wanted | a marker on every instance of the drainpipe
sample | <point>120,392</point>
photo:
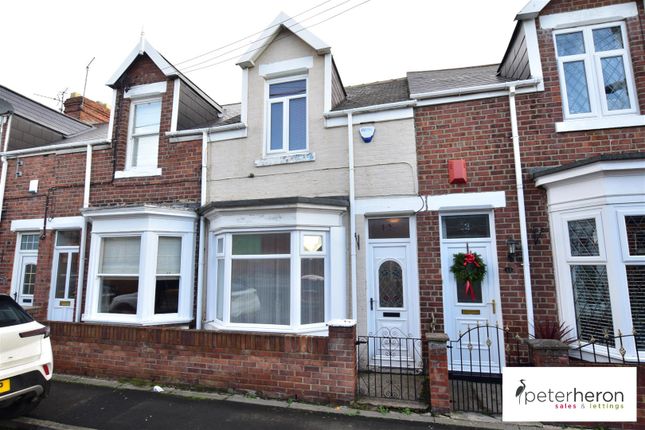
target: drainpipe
<point>352,215</point>
<point>519,183</point>
<point>3,175</point>
<point>83,244</point>
<point>202,236</point>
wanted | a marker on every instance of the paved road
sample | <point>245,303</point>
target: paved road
<point>110,408</point>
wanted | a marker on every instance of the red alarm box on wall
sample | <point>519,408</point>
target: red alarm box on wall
<point>457,171</point>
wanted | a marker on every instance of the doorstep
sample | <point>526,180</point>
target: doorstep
<point>465,420</point>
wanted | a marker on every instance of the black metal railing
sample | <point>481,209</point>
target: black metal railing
<point>608,349</point>
<point>475,362</point>
<point>391,368</point>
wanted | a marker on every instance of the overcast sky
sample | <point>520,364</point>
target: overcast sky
<point>47,44</point>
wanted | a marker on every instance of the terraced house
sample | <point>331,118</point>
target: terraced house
<point>311,240</point>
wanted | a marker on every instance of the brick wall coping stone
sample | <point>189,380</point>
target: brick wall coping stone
<point>341,323</point>
<point>547,344</point>
<point>437,337</point>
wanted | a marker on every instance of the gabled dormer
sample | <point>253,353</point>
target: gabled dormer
<point>151,98</point>
<point>289,82</point>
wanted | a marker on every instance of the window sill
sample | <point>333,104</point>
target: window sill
<point>312,330</point>
<point>274,160</point>
<point>137,173</point>
<point>600,123</point>
<point>124,320</point>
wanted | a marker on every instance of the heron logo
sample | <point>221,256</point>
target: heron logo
<point>569,394</point>
<point>520,390</point>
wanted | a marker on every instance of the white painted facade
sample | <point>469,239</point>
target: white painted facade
<point>243,167</point>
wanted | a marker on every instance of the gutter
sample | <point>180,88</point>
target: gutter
<point>3,175</point>
<point>49,148</point>
<point>196,131</point>
<point>502,86</point>
<point>374,108</point>
<point>352,214</point>
<point>199,318</point>
<point>526,264</point>
<point>83,244</point>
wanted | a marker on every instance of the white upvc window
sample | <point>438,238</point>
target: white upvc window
<point>141,268</point>
<point>287,115</point>
<point>272,280</point>
<point>600,257</point>
<point>595,71</point>
<point>143,134</point>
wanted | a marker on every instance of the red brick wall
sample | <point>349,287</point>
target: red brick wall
<point>479,132</point>
<point>62,175</point>
<point>309,368</point>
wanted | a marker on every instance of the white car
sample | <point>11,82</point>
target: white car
<point>26,361</point>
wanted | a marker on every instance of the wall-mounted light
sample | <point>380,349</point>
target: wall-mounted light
<point>514,250</point>
<point>537,234</point>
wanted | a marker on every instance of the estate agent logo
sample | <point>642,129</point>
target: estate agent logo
<point>583,394</point>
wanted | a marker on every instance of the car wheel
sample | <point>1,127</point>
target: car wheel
<point>20,407</point>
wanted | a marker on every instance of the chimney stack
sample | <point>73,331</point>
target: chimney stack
<point>86,110</point>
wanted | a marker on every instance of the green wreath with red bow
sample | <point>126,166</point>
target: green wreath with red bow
<point>468,268</point>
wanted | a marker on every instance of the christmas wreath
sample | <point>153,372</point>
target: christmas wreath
<point>468,268</point>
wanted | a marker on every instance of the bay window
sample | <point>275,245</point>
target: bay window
<point>141,266</point>
<point>272,279</point>
<point>599,253</point>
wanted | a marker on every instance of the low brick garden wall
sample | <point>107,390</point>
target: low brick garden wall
<point>308,368</point>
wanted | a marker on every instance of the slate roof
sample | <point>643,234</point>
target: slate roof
<point>5,107</point>
<point>450,79</point>
<point>375,93</point>
<point>41,114</point>
<point>230,115</point>
<point>99,131</point>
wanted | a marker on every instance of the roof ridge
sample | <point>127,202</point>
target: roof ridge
<point>481,66</point>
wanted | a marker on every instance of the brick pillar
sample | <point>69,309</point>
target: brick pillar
<point>548,352</point>
<point>438,372</point>
<point>342,350</point>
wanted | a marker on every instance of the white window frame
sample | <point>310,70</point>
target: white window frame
<point>148,170</point>
<point>613,254</point>
<point>58,250</point>
<point>285,115</point>
<point>149,224</point>
<point>16,288</point>
<point>593,70</point>
<point>295,257</point>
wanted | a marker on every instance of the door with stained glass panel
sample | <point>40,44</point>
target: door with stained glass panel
<point>393,308</point>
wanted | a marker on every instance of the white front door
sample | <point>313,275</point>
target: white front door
<point>63,288</point>
<point>388,303</point>
<point>24,293</point>
<point>472,314</point>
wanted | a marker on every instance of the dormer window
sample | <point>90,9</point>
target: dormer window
<point>143,134</point>
<point>287,115</point>
<point>595,71</point>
